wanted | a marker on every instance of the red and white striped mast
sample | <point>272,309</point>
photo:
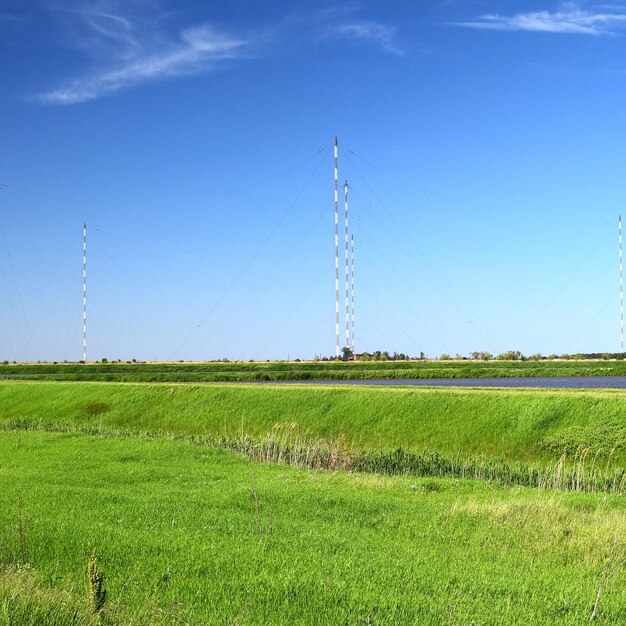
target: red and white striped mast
<point>85,292</point>
<point>621,287</point>
<point>345,196</point>
<point>336,255</point>
<point>352,295</point>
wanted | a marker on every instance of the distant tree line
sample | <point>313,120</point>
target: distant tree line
<point>516,355</point>
<point>478,355</point>
<point>377,355</point>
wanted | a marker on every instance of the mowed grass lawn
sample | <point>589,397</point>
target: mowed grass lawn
<point>176,531</point>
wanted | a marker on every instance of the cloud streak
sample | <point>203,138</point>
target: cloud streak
<point>381,35</point>
<point>570,20</point>
<point>126,52</point>
<point>199,50</point>
<point>127,48</point>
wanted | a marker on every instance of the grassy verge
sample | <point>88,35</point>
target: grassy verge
<point>189,535</point>
<point>280,371</point>
<point>527,426</point>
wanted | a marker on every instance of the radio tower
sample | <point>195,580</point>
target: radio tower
<point>345,196</point>
<point>352,312</point>
<point>336,255</point>
<point>621,287</point>
<point>85,292</point>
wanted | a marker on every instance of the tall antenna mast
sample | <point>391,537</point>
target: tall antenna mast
<point>345,195</point>
<point>336,255</point>
<point>352,312</point>
<point>621,287</point>
<point>85,292</point>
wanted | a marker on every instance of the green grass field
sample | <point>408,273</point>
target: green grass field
<point>175,530</point>
<point>308,370</point>
<point>188,533</point>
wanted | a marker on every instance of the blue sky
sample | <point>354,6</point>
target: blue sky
<point>483,142</point>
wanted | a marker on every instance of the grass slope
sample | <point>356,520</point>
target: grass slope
<point>176,532</point>
<point>513,425</point>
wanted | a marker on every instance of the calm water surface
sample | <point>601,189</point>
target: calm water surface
<point>564,382</point>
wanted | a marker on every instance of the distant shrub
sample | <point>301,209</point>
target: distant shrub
<point>96,408</point>
<point>601,438</point>
<point>511,355</point>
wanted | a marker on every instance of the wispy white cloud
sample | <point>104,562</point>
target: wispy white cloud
<point>607,20</point>
<point>114,27</point>
<point>125,52</point>
<point>382,35</point>
<point>199,50</point>
<point>128,43</point>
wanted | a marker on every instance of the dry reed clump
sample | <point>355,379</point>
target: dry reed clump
<point>586,471</point>
<point>292,450</point>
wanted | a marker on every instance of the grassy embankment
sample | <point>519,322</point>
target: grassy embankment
<point>532,426</point>
<point>277,370</point>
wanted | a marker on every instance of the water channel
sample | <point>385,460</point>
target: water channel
<point>555,382</point>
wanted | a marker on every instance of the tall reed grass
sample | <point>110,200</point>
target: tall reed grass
<point>581,471</point>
